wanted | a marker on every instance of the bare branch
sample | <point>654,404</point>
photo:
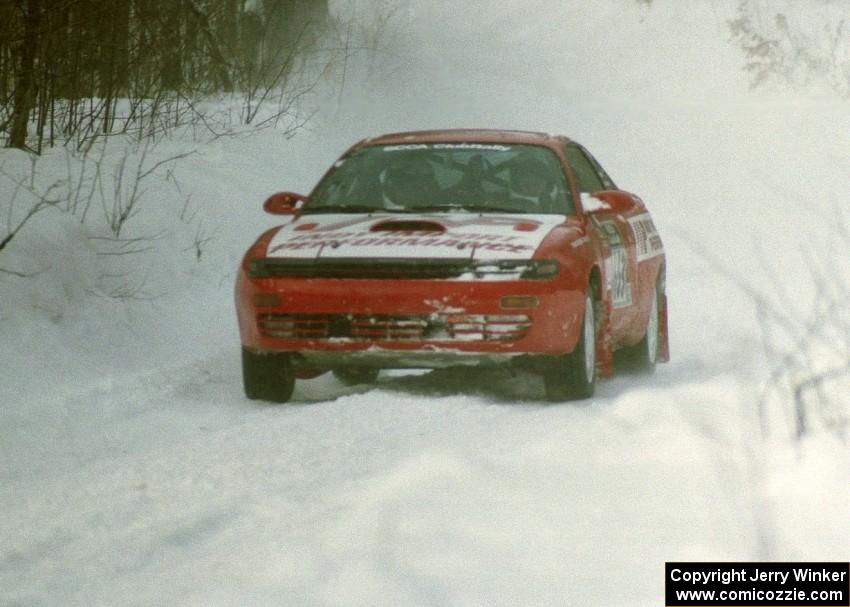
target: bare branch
<point>43,202</point>
<point>21,274</point>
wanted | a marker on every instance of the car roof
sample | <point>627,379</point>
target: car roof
<point>467,135</point>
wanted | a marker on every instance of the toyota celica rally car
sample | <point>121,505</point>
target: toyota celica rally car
<point>458,247</point>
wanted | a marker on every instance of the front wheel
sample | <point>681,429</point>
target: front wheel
<point>573,376</point>
<point>267,376</point>
<point>643,356</point>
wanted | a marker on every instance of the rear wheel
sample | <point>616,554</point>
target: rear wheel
<point>573,377</point>
<point>267,376</point>
<point>354,376</point>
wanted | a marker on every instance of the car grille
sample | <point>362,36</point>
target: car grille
<point>411,269</point>
<point>435,327</point>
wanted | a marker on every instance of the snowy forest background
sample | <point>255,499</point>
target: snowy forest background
<point>141,137</point>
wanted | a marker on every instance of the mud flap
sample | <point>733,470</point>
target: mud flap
<point>663,336</point>
<point>604,348</point>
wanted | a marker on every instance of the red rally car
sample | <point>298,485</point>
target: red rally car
<point>457,247</point>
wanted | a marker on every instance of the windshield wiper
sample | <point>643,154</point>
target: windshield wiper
<point>478,209</point>
<point>500,210</point>
<point>342,208</point>
<point>433,208</point>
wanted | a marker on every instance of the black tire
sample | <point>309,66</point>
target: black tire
<point>267,376</point>
<point>573,376</point>
<point>354,376</point>
<point>643,356</point>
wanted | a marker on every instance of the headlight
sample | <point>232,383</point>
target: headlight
<point>541,269</point>
<point>527,269</point>
<point>257,269</point>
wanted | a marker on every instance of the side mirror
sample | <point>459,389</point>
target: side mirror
<point>611,201</point>
<point>283,203</point>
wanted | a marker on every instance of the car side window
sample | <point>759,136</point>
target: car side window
<point>606,181</point>
<point>583,172</point>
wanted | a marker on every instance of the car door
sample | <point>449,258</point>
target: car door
<point>620,264</point>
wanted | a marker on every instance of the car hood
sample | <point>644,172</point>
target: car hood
<point>409,236</point>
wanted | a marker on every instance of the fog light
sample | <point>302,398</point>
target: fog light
<point>266,300</point>
<point>518,302</point>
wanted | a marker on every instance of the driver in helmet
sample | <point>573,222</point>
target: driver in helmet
<point>408,183</point>
<point>531,184</point>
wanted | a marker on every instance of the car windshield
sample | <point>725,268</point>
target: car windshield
<point>445,177</point>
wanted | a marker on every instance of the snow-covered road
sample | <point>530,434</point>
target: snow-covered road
<point>133,471</point>
<point>452,487</point>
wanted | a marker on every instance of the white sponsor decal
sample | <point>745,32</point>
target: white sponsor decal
<point>615,266</point>
<point>647,241</point>
<point>459,236</point>
<point>447,146</point>
<point>405,147</point>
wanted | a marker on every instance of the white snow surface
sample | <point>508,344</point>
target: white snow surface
<point>133,471</point>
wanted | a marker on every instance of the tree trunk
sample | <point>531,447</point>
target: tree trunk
<point>171,68</point>
<point>25,94</point>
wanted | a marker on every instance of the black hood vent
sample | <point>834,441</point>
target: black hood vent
<point>408,225</point>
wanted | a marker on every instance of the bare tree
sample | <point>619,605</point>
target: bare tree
<point>23,51</point>
<point>80,69</point>
<point>808,354</point>
<point>794,45</point>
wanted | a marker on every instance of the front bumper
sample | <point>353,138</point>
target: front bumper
<point>406,323</point>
